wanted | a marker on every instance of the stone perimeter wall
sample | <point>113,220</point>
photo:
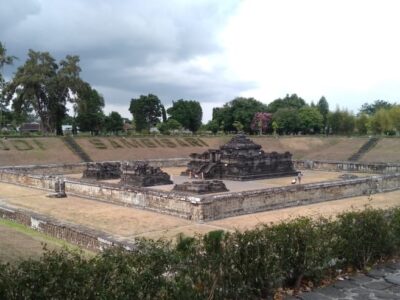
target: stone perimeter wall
<point>233,204</point>
<point>74,234</point>
<point>60,169</point>
<point>347,166</point>
<point>211,207</point>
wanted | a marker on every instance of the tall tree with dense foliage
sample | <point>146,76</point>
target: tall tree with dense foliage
<point>290,101</point>
<point>114,122</point>
<point>323,108</point>
<point>394,114</point>
<point>241,110</point>
<point>5,114</point>
<point>89,109</point>
<point>146,111</point>
<point>168,126</point>
<point>260,121</point>
<point>381,122</point>
<point>4,60</point>
<point>362,124</point>
<point>311,120</point>
<point>288,120</point>
<point>187,112</point>
<point>371,109</point>
<point>44,86</point>
<point>341,122</point>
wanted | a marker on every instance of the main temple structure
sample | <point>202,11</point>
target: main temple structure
<point>240,159</point>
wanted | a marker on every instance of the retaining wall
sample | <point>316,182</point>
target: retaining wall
<point>233,204</point>
<point>74,234</point>
<point>172,203</point>
<point>60,169</point>
<point>347,166</point>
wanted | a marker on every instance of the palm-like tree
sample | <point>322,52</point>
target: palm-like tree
<point>4,60</point>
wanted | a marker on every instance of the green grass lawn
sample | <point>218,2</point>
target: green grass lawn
<point>18,242</point>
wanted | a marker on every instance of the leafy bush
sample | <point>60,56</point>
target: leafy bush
<point>168,143</point>
<point>115,144</point>
<point>181,143</point>
<point>148,143</point>
<point>98,144</point>
<point>363,237</point>
<point>395,229</point>
<point>3,146</point>
<point>39,144</point>
<point>218,265</point>
<point>21,145</point>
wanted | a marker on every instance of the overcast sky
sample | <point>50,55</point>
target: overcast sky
<point>213,51</point>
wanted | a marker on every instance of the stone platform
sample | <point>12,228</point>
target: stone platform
<point>240,159</point>
<point>201,187</point>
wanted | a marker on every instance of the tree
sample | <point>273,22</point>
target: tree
<point>44,86</point>
<point>239,109</point>
<point>213,126</point>
<point>311,120</point>
<point>89,108</point>
<point>274,127</point>
<point>323,108</point>
<point>187,112</point>
<point>288,120</point>
<point>341,122</point>
<point>362,124</point>
<point>260,121</point>
<point>146,111</point>
<point>238,126</point>
<point>163,114</point>
<point>381,122</point>
<point>4,60</point>
<point>114,122</point>
<point>292,101</point>
<point>394,114</point>
<point>170,125</point>
<point>371,109</point>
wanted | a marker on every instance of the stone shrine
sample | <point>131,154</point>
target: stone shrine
<point>201,187</point>
<point>141,174</point>
<point>240,159</point>
<point>59,189</point>
<point>102,171</point>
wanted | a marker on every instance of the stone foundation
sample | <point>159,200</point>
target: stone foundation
<point>201,187</point>
<point>211,207</point>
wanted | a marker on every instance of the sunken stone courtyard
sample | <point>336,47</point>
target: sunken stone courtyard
<point>235,186</point>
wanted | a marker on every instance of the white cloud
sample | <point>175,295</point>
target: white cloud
<point>213,51</point>
<point>315,48</point>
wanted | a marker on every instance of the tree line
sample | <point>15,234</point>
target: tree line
<point>42,87</point>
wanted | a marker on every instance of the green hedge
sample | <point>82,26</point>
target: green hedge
<point>218,265</point>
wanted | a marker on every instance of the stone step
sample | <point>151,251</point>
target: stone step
<point>76,148</point>
<point>367,146</point>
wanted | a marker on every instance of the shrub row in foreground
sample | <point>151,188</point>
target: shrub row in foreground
<point>219,265</point>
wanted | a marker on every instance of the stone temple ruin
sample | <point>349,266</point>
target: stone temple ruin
<point>102,171</point>
<point>201,187</point>
<point>137,174</point>
<point>141,174</point>
<point>240,159</point>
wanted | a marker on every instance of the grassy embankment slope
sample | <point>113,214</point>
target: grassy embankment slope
<point>19,242</point>
<point>24,151</point>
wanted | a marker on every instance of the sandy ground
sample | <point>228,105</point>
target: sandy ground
<point>128,223</point>
<point>240,186</point>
